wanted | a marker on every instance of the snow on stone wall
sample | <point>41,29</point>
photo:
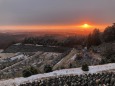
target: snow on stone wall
<point>92,69</point>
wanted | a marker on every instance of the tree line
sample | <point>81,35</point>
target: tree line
<point>95,38</point>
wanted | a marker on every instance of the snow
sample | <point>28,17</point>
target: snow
<point>17,44</point>
<point>60,61</point>
<point>78,71</point>
<point>73,58</point>
<point>18,57</point>
<point>38,45</point>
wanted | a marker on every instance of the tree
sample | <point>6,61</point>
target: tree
<point>89,41</point>
<point>26,73</point>
<point>70,65</point>
<point>109,34</point>
<point>47,68</point>
<point>94,38</point>
<point>85,67</point>
<point>29,71</point>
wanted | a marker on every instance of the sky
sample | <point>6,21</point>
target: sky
<point>55,14</point>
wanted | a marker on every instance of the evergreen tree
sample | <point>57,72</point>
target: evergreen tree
<point>47,68</point>
<point>109,34</point>
<point>29,71</point>
<point>85,67</point>
<point>94,38</point>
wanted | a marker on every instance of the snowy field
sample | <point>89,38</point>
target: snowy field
<point>92,69</point>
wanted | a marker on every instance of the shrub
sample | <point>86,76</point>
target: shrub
<point>85,67</point>
<point>47,68</point>
<point>26,73</point>
<point>33,70</point>
<point>29,71</point>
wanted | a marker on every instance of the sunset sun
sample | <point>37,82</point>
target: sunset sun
<point>85,25</point>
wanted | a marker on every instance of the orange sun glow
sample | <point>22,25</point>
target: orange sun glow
<point>86,26</point>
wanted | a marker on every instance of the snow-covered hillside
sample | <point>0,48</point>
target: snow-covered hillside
<point>92,69</point>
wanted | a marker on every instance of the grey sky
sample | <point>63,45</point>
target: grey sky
<point>56,12</point>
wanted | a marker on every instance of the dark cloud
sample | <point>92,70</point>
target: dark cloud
<point>30,12</point>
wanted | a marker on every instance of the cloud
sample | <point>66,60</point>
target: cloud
<point>55,12</point>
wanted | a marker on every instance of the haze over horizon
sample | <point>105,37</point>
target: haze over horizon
<point>58,15</point>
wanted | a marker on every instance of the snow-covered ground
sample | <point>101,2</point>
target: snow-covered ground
<point>21,56</point>
<point>73,58</point>
<point>92,69</point>
<point>12,57</point>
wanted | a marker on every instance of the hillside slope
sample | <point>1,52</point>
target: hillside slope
<point>65,60</point>
<point>76,58</point>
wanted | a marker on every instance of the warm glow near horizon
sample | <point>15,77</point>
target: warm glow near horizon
<point>55,15</point>
<point>80,27</point>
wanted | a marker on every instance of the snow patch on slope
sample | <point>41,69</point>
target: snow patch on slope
<point>18,57</point>
<point>73,58</point>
